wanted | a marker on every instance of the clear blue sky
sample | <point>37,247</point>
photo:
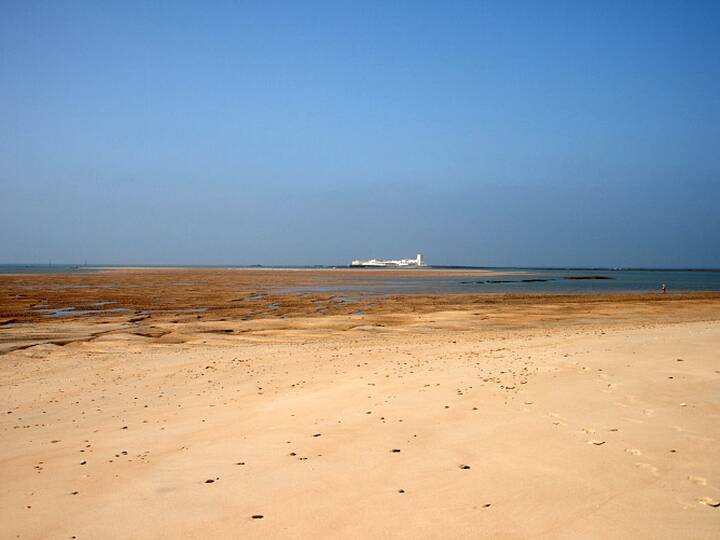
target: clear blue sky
<point>486,133</point>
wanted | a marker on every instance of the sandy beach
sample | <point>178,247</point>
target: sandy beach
<point>268,415</point>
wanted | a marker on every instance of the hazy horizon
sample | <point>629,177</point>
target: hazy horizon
<point>286,134</point>
<point>99,265</point>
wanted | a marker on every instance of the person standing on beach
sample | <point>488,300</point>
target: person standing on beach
<point>663,288</point>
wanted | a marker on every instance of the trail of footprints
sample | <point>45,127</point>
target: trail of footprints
<point>560,421</point>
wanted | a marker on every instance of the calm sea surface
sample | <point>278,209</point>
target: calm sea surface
<point>508,280</point>
<point>39,269</point>
<point>525,281</point>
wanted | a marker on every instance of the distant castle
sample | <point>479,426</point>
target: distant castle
<point>417,261</point>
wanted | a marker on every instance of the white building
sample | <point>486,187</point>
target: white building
<point>417,261</point>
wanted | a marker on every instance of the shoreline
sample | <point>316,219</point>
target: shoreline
<point>122,294</point>
<point>254,315</point>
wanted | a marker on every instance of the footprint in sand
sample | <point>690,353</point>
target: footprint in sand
<point>699,480</point>
<point>633,451</point>
<point>647,467</point>
<point>709,501</point>
<point>619,404</point>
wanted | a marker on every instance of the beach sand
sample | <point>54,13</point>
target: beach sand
<point>422,417</point>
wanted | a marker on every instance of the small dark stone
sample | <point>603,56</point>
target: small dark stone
<point>258,516</point>
<point>486,505</point>
<point>464,466</point>
<point>395,450</point>
<point>83,462</point>
<point>317,434</point>
<point>209,481</point>
<point>401,491</point>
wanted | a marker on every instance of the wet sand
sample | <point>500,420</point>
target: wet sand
<point>294,415</point>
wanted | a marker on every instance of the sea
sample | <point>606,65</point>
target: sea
<point>525,280</point>
<point>503,280</point>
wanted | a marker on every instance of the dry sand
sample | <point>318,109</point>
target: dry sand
<point>485,418</point>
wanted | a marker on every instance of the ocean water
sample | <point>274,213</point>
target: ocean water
<point>39,268</point>
<point>518,280</point>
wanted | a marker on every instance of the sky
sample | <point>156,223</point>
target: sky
<point>291,133</point>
